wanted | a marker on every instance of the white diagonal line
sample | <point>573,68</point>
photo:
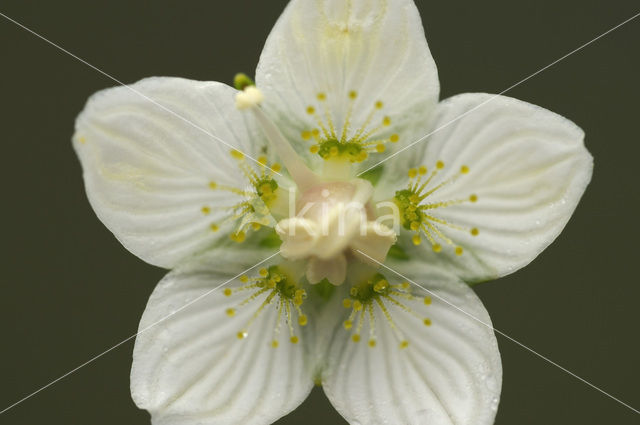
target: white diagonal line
<point>91,360</point>
<point>531,350</point>
<point>502,92</point>
<point>170,111</point>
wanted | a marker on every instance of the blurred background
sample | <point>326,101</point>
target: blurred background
<point>70,291</point>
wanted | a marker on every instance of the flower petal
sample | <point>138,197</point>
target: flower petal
<point>352,58</point>
<point>515,173</point>
<point>189,366</point>
<point>448,372</point>
<point>149,157</point>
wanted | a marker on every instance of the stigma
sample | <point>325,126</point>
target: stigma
<point>334,224</point>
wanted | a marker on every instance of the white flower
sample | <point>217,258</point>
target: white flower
<point>184,174</point>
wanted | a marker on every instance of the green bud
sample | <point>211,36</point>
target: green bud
<point>241,81</point>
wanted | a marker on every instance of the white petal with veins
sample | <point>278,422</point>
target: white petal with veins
<point>189,366</point>
<point>514,173</point>
<point>375,49</point>
<point>148,171</point>
<point>445,373</point>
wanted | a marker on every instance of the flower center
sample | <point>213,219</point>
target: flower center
<point>333,223</point>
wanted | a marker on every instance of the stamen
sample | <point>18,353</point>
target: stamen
<point>355,148</point>
<point>282,290</point>
<point>414,211</point>
<point>371,294</point>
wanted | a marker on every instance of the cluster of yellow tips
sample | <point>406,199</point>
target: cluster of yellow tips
<point>351,144</point>
<point>374,293</point>
<point>260,194</point>
<point>415,207</point>
<point>281,290</point>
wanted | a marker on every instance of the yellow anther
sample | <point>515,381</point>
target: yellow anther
<point>427,300</point>
<point>271,284</point>
<point>386,121</point>
<point>256,226</point>
<point>347,324</point>
<point>262,160</point>
<point>244,278</point>
<point>228,292</point>
<point>294,339</point>
<point>276,167</point>
<point>357,305</point>
<point>380,148</point>
<point>346,303</point>
<point>311,110</point>
<point>437,247</point>
<point>427,322</point>
<point>205,210</point>
<point>315,132</point>
<point>214,227</point>
<point>381,285</point>
<point>362,156</point>
<point>274,343</point>
<point>404,344</point>
<point>475,231</point>
<point>302,320</point>
<point>355,338</point>
<point>297,300</point>
<point>416,239</point>
<point>321,96</point>
<point>372,343</point>
<point>333,151</point>
<point>422,170</point>
<point>314,149</point>
<point>353,94</point>
<point>394,138</point>
<point>459,250</point>
<point>473,198</point>
<point>230,312</point>
<point>213,185</point>
<point>353,291</point>
<point>237,154</point>
<point>415,225</point>
<point>412,173</point>
<point>306,135</point>
<point>241,335</point>
<point>263,272</point>
<point>464,169</point>
<point>379,104</point>
<point>405,285</point>
<point>439,165</point>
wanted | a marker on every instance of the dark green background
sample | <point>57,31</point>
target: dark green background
<point>70,291</point>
